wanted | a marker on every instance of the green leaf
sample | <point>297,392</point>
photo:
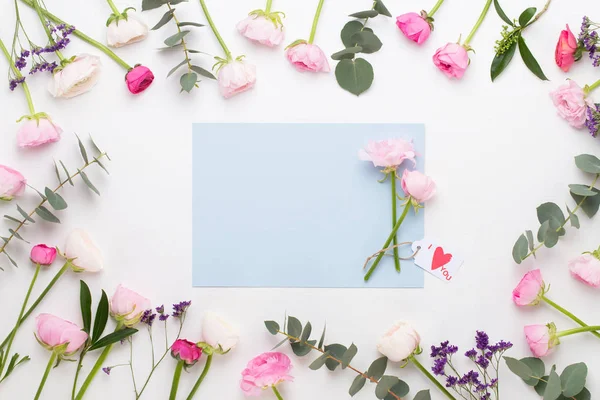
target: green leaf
<point>188,81</point>
<point>272,327</point>
<point>349,355</point>
<point>101,166</point>
<point>203,72</point>
<point>45,214</point>
<point>55,199</point>
<point>152,4</point>
<point>82,150</point>
<point>553,387</point>
<point>101,317</point>
<point>526,16</point>
<point>520,249</point>
<point>588,163</point>
<point>400,389</point>
<point>57,172</point>
<point>573,379</point>
<point>377,368</point>
<point>322,340</point>
<point>67,172</point>
<point>369,42</point>
<point>190,24</point>
<point>300,349</point>
<point>336,350</point>
<point>530,240</point>
<point>530,60</point>
<point>279,344</point>
<point>574,218</point>
<point>25,215</point>
<point>294,327</point>
<point>85,303</point>
<point>589,205</point>
<point>112,338</point>
<point>551,212</point>
<point>540,388</point>
<point>423,395</point>
<point>347,53</point>
<point>13,219</point>
<point>538,370</point>
<point>175,39</point>
<point>349,30</point>
<point>17,235</point>
<point>502,14</point>
<point>381,8</point>
<point>384,385</point>
<point>357,384</point>
<point>165,18</point>
<point>175,2</point>
<point>355,76</point>
<point>501,61</point>
<point>365,14</point>
<point>319,362</point>
<point>175,68</point>
<point>13,262</point>
<point>551,238</point>
<point>519,368</point>
<point>582,190</point>
<point>89,183</point>
<point>306,332</point>
<point>583,395</point>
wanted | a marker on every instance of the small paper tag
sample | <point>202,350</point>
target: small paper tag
<point>436,259</point>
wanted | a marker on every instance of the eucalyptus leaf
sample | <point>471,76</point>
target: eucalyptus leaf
<point>349,30</point>
<point>526,16</point>
<point>530,60</point>
<point>355,76</point>
<point>519,368</point>
<point>300,349</point>
<point>152,4</point>
<point>551,238</point>
<point>400,389</point>
<point>553,387</point>
<point>164,20</point>
<point>538,369</point>
<point>17,235</point>
<point>82,150</point>
<point>540,388</point>
<point>501,61</point>
<point>357,385</point>
<point>423,395</point>
<point>57,172</point>
<point>589,205</point>
<point>551,212</point>
<point>349,355</point>
<point>10,259</point>
<point>67,172</point>
<point>55,199</point>
<point>175,68</point>
<point>306,332</point>
<point>203,72</point>
<point>588,163</point>
<point>190,24</point>
<point>573,379</point>
<point>188,81</point>
<point>365,14</point>
<point>377,368</point>
<point>336,350</point>
<point>384,385</point>
<point>319,362</point>
<point>367,40</point>
<point>13,219</point>
<point>294,327</point>
<point>347,53</point>
<point>176,38</point>
<point>381,8</point>
<point>88,183</point>
<point>25,215</point>
<point>322,340</point>
<point>273,327</point>
<point>45,214</point>
<point>582,190</point>
<point>520,249</point>
<point>530,240</point>
<point>574,218</point>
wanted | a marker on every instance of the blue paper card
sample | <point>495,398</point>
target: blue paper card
<point>291,205</point>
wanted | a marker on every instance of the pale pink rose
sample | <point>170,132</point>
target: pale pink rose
<point>388,153</point>
<point>236,77</point>
<point>128,306</point>
<point>83,252</point>
<point>42,254</point>
<point>35,132</point>
<point>414,27</point>
<point>77,77</point>
<point>565,49</point>
<point>586,269</point>
<point>571,104</point>
<point>530,290</point>
<point>542,339</point>
<point>399,342</point>
<point>452,59</point>
<point>261,30</point>
<point>53,332</point>
<point>418,186</point>
<point>12,183</point>
<point>265,371</point>
<point>308,57</point>
<point>186,351</point>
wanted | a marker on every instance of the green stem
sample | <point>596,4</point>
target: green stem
<point>40,13</point>
<point>394,219</point>
<point>96,367</point>
<point>431,377</point>
<point>539,15</point>
<point>114,8</point>
<point>313,30</point>
<point>268,6</point>
<point>389,239</point>
<point>18,75</point>
<point>84,37</point>
<point>215,31</point>
<point>201,378</point>
<point>13,333</point>
<point>435,8</point>
<point>578,330</point>
<point>39,299</point>
<point>176,378</point>
<point>77,371</point>
<point>568,314</point>
<point>279,397</point>
<point>45,377</point>
<point>488,3</point>
<point>595,85</point>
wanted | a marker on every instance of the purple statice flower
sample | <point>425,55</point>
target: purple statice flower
<point>482,340</point>
<point>180,308</point>
<point>43,66</point>
<point>21,61</point>
<point>589,40</point>
<point>470,378</point>
<point>445,349</point>
<point>148,317</point>
<point>160,309</point>
<point>439,366</point>
<point>451,381</point>
<point>471,354</point>
<point>483,362</point>
<point>13,83</point>
<point>106,370</point>
<point>593,119</point>
<point>163,317</point>
<point>501,346</point>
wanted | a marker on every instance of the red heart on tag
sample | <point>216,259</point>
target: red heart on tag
<point>440,258</point>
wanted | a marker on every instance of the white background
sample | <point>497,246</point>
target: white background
<point>496,151</point>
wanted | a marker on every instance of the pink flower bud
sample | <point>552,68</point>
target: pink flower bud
<point>414,27</point>
<point>418,186</point>
<point>53,332</point>
<point>542,339</point>
<point>308,57</point>
<point>128,306</point>
<point>261,29</point>
<point>530,290</point>
<point>138,79</point>
<point>186,351</point>
<point>12,183</point>
<point>36,132</point>
<point>42,254</point>
<point>265,371</point>
<point>399,342</point>
<point>565,50</point>
<point>388,153</point>
<point>236,77</point>
<point>586,269</point>
<point>452,59</point>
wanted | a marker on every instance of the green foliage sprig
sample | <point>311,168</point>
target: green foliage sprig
<point>552,218</point>
<point>188,80</point>
<point>334,355</point>
<point>52,197</point>
<point>568,385</point>
<point>356,74</point>
<point>512,37</point>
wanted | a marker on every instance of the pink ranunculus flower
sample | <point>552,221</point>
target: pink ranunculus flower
<point>263,30</point>
<point>586,269</point>
<point>77,77</point>
<point>42,254</point>
<point>530,290</point>
<point>399,342</point>
<point>12,183</point>
<point>452,59</point>
<point>128,306</point>
<point>308,57</point>
<point>571,103</point>
<point>542,339</point>
<point>265,371</point>
<point>121,32</point>
<point>418,186</point>
<point>565,49</point>
<point>53,332</point>
<point>414,27</point>
<point>186,351</point>
<point>138,79</point>
<point>236,77</point>
<point>82,252</point>
<point>38,131</point>
<point>388,153</point>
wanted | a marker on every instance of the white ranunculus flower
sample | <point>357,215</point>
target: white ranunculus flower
<point>399,342</point>
<point>121,32</point>
<point>86,256</point>
<point>218,332</point>
<point>77,77</point>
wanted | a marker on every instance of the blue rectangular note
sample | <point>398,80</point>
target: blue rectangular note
<point>291,205</point>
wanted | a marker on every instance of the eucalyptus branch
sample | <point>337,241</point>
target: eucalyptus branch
<point>183,43</point>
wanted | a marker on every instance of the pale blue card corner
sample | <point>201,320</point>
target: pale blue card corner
<point>291,205</point>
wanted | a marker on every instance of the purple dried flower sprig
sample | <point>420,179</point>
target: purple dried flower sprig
<point>180,308</point>
<point>589,40</point>
<point>593,119</point>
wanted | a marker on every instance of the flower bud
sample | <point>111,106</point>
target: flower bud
<point>400,342</point>
<point>42,254</point>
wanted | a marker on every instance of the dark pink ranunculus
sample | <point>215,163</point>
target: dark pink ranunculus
<point>186,351</point>
<point>42,254</point>
<point>138,79</point>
